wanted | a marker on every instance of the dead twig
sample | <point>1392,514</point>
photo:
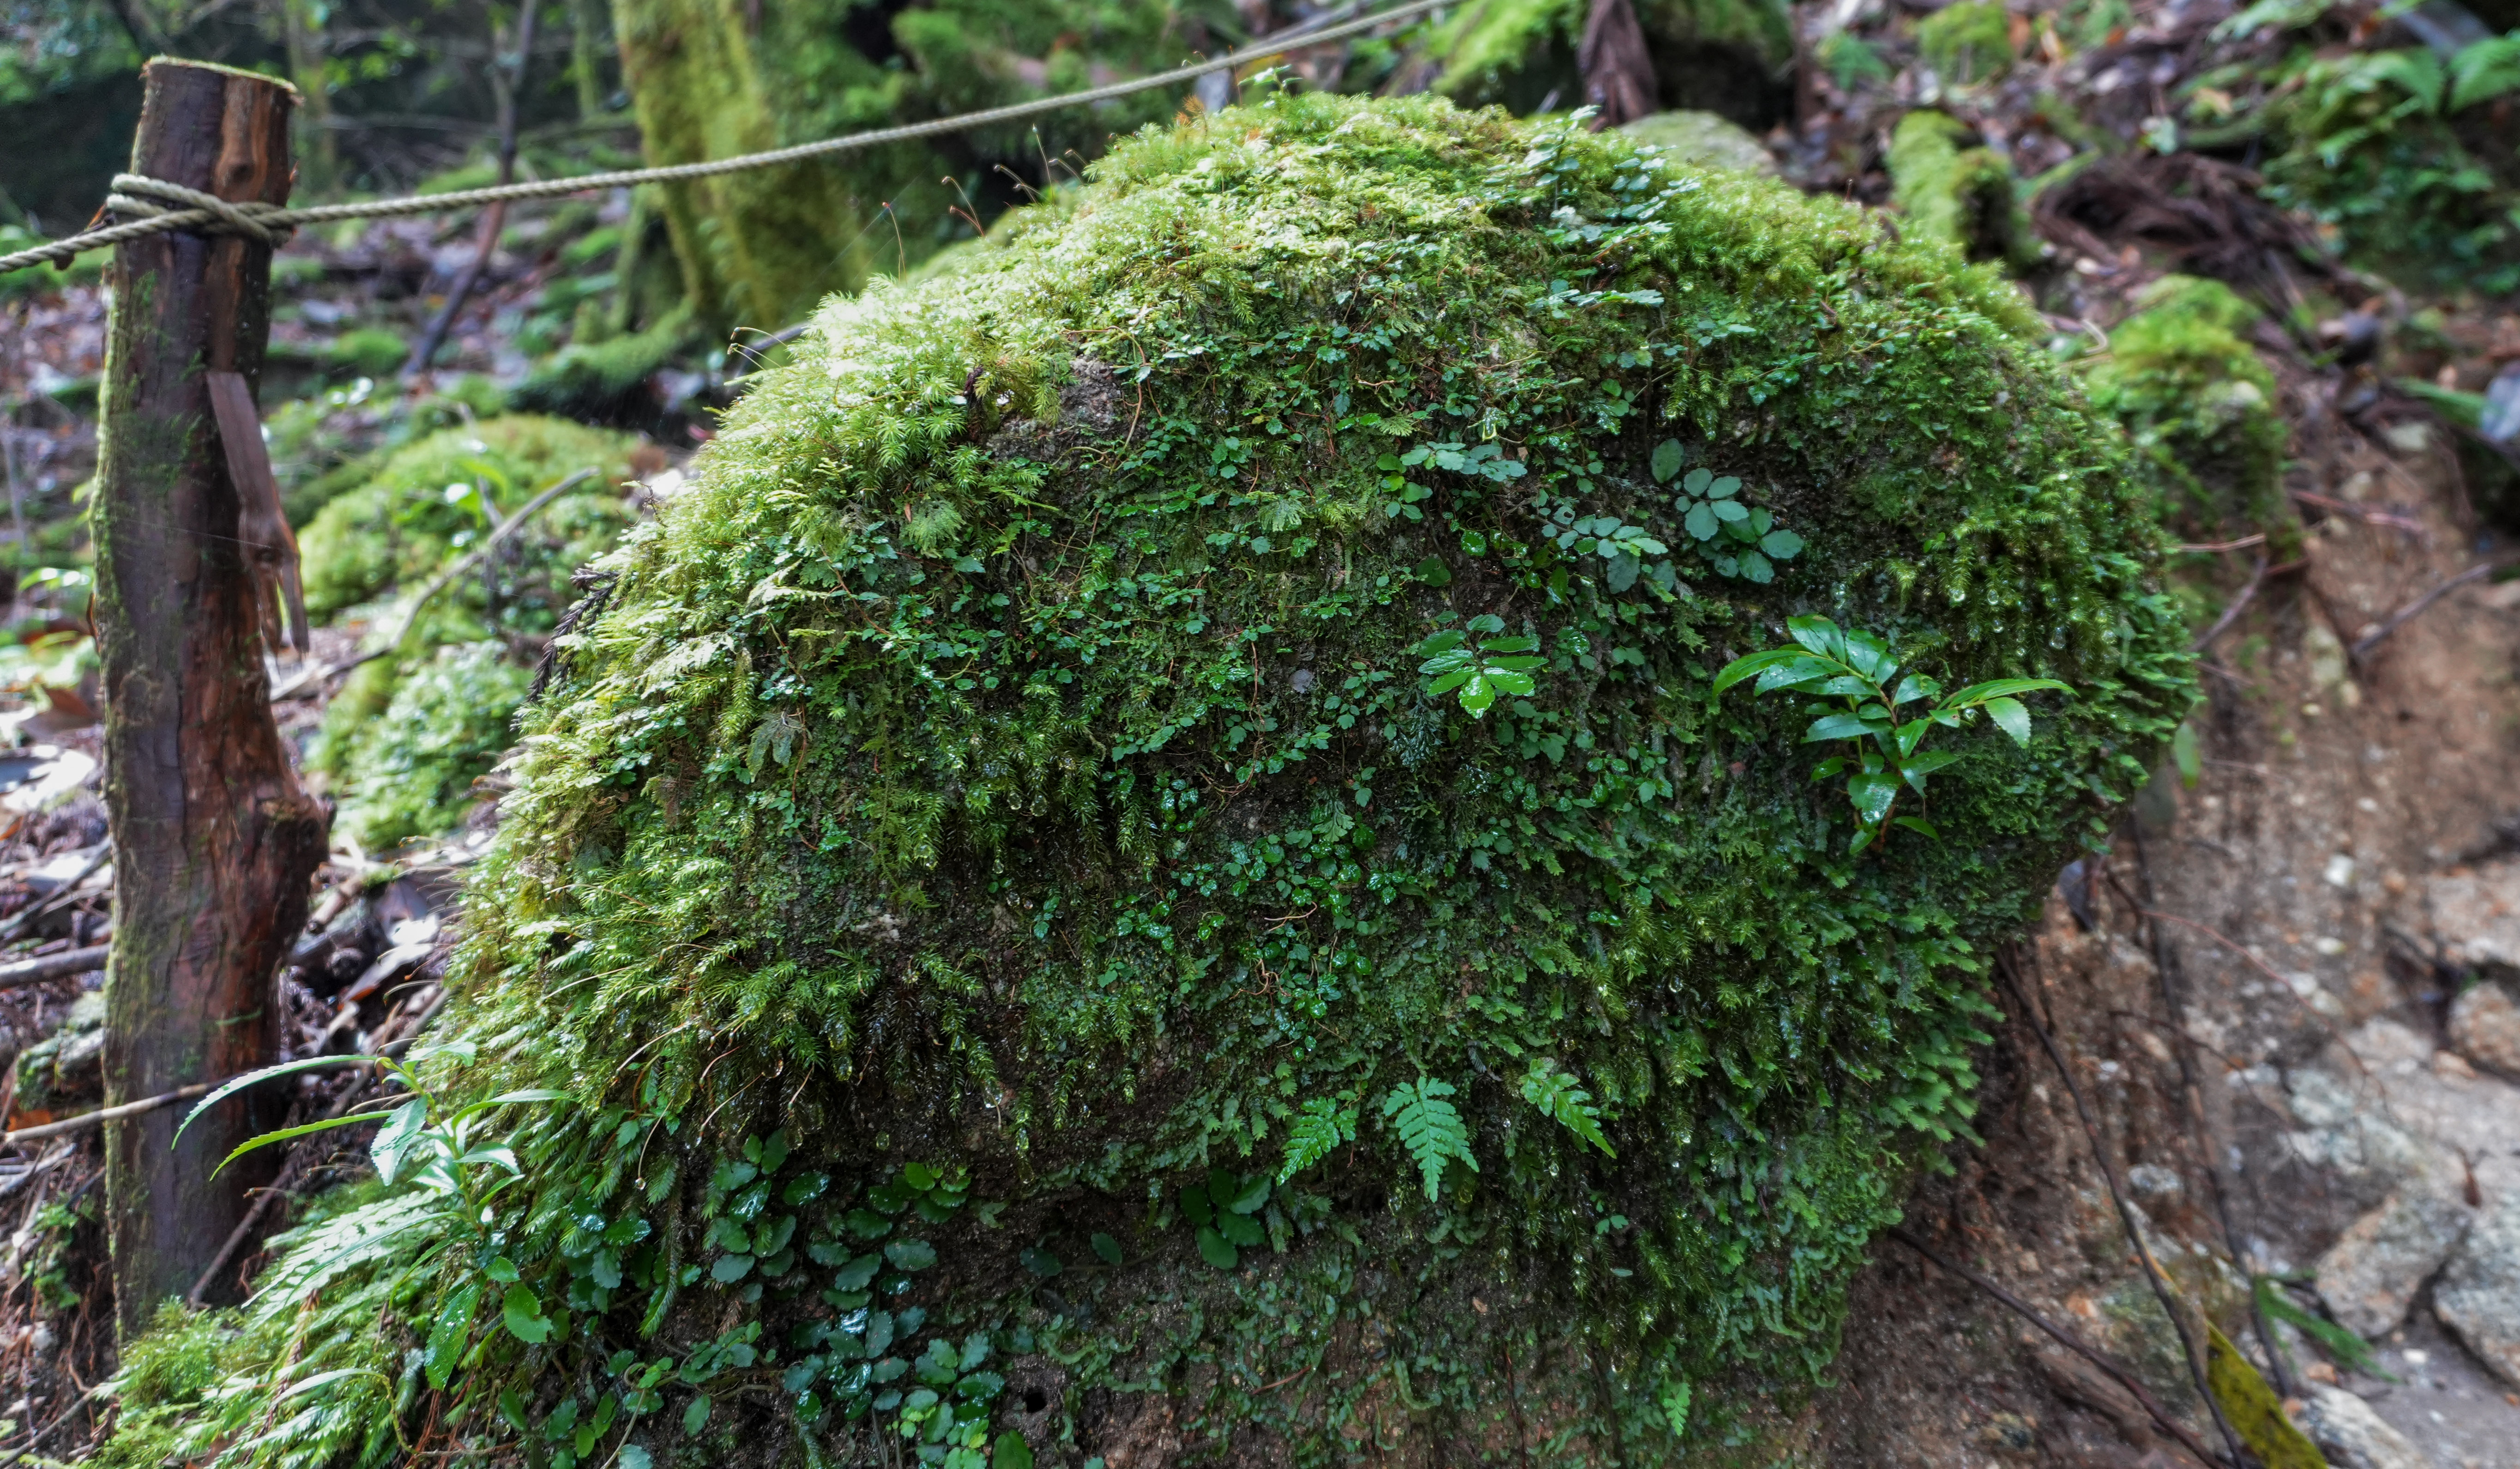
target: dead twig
<point>2364,645</point>
<point>54,966</point>
<point>2257,580</point>
<point>2134,1384</point>
<point>316,677</point>
<point>67,893</point>
<point>25,1452</point>
<point>103,1115</point>
<point>2364,514</point>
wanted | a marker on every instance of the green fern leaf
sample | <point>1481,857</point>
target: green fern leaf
<point>1429,1128</point>
<point>1320,1128</point>
<point>1559,1095</point>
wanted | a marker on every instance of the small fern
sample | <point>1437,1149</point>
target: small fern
<point>1322,1127</point>
<point>1560,1095</point>
<point>1429,1128</point>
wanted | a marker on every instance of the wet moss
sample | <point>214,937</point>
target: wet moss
<point>1003,899</point>
<point>2201,405</point>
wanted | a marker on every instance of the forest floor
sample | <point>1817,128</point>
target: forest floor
<point>2267,993</point>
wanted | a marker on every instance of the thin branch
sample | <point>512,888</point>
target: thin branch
<point>316,677</point>
<point>2364,645</point>
<point>2240,604</point>
<point>2134,1384</point>
<point>103,1115</point>
<point>54,966</point>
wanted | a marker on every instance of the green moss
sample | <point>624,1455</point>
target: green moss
<point>414,510</point>
<point>1967,42</point>
<point>1702,140</point>
<point>1716,55</point>
<point>371,351</point>
<point>605,380</point>
<point>447,724</point>
<point>993,883</point>
<point>2201,405</point>
<point>1965,198</point>
<point>401,523</point>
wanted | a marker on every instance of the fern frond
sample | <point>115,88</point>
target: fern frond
<point>1559,1095</point>
<point>1429,1128</point>
<point>1320,1128</point>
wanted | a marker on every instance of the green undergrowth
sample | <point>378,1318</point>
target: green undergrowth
<point>2405,156</point>
<point>1150,854</point>
<point>404,758</point>
<point>1723,56</point>
<point>2200,406</point>
<point>410,771</point>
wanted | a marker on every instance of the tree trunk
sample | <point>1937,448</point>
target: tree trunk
<point>758,248</point>
<point>303,29</point>
<point>215,839</point>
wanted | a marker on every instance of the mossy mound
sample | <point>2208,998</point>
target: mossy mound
<point>1038,973</point>
<point>2201,405</point>
<point>1967,42</point>
<point>406,762</point>
<point>1963,197</point>
<point>411,773</point>
<point>428,499</point>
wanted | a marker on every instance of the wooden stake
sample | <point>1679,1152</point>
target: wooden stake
<point>215,839</point>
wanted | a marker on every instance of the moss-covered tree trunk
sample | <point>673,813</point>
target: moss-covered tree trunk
<point>213,838</point>
<point>759,247</point>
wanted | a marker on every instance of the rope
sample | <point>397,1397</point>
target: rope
<point>158,207</point>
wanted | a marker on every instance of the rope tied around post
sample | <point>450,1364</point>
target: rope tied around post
<point>176,207</point>
<point>147,198</point>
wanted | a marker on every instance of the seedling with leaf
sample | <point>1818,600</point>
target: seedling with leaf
<point>1478,664</point>
<point>1738,540</point>
<point>1855,670</point>
<point>1484,460</point>
<point>1430,1129</point>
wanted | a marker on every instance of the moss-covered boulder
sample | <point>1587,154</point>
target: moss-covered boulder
<point>2201,405</point>
<point>1037,965</point>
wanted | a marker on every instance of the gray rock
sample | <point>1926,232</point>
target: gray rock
<point>2479,1294</point>
<point>2353,1437</point>
<point>2370,1276</point>
<point>2475,913</point>
<point>2485,1026</point>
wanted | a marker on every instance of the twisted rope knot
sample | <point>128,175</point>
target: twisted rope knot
<point>136,196</point>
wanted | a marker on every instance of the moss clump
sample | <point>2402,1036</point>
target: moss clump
<point>604,381</point>
<point>1965,198</point>
<point>426,500</point>
<point>1021,936</point>
<point>411,774</point>
<point>416,509</point>
<point>1967,42</point>
<point>1730,57</point>
<point>2201,405</point>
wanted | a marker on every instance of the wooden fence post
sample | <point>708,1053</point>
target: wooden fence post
<point>215,839</point>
